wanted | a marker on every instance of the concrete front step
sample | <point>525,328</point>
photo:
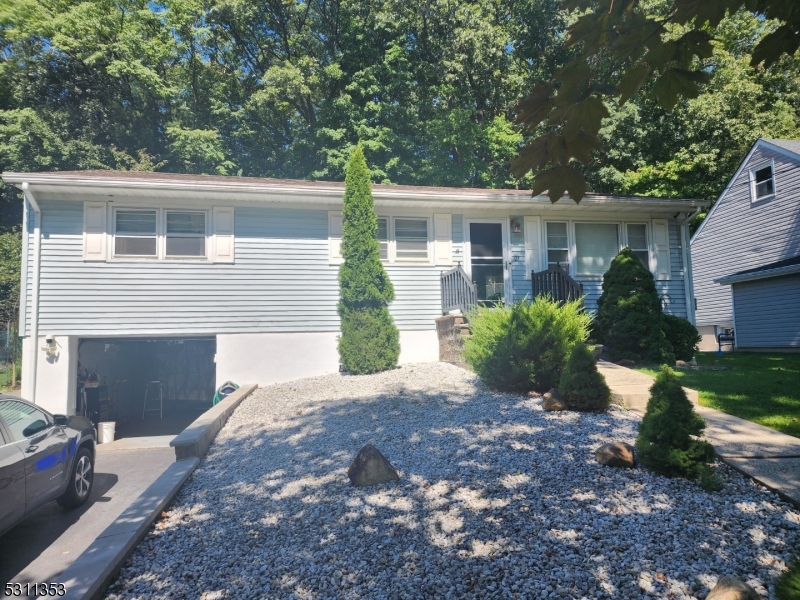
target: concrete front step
<point>634,397</point>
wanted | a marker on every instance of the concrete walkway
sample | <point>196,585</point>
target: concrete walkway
<point>768,456</point>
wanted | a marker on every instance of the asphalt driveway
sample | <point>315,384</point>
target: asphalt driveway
<point>41,547</point>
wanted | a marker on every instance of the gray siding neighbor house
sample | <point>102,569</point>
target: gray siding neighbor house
<point>746,254</point>
<point>235,278</point>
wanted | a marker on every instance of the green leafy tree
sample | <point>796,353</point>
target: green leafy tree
<point>667,442</point>
<point>581,384</point>
<point>622,47</point>
<point>628,311</point>
<point>369,341</point>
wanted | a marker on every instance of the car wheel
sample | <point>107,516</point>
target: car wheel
<point>79,485</point>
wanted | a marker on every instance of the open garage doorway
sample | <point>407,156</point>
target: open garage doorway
<point>176,377</point>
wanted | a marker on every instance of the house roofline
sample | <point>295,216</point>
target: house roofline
<point>758,143</point>
<point>328,192</point>
<point>754,275</point>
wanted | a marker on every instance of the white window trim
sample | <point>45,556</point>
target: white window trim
<point>622,228</point>
<point>752,174</point>
<point>570,244</point>
<point>428,260</point>
<point>647,239</point>
<point>161,237</point>
<point>392,246</point>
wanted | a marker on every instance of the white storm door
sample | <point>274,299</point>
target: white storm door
<point>487,259</point>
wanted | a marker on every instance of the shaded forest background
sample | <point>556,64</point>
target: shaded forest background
<point>285,89</point>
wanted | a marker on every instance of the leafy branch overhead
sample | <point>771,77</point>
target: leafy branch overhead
<point>621,45</point>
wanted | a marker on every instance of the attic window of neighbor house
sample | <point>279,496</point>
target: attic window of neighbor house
<point>762,182</point>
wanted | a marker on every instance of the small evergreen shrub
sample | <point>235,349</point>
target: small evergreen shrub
<point>628,311</point>
<point>369,341</point>
<point>582,385</point>
<point>788,587</point>
<point>667,441</point>
<point>682,336</point>
<point>524,347</point>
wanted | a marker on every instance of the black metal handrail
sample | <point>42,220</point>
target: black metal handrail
<point>557,283</point>
<point>458,292</point>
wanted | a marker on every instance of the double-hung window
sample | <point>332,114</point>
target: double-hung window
<point>186,234</point>
<point>136,233</point>
<point>557,245</point>
<point>762,182</point>
<point>160,233</point>
<point>383,237</point>
<point>411,239</point>
<point>637,242</point>
<point>596,245</point>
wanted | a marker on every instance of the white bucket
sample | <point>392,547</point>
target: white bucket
<point>105,432</point>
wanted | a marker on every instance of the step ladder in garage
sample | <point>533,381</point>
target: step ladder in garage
<point>153,399</point>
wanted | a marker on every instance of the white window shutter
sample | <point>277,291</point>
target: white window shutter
<point>443,240</point>
<point>335,236</point>
<point>223,234</point>
<point>94,230</point>
<point>663,269</point>
<point>533,246</point>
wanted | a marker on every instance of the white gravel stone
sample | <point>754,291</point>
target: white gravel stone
<point>497,499</point>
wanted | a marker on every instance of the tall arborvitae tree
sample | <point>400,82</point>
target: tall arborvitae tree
<point>370,341</point>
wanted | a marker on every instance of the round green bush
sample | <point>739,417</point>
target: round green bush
<point>667,442</point>
<point>628,311</point>
<point>582,385</point>
<point>369,341</point>
<point>682,336</point>
<point>524,347</point>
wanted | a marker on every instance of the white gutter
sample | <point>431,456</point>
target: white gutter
<point>688,276</point>
<point>755,275</point>
<point>33,357</point>
<point>300,190</point>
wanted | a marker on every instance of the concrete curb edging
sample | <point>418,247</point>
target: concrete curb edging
<point>91,573</point>
<point>194,441</point>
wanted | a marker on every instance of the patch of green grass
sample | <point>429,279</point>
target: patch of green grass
<point>788,587</point>
<point>760,387</point>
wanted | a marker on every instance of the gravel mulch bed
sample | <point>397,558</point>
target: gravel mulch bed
<point>497,498</point>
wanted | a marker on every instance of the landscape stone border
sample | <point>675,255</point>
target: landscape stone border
<point>94,570</point>
<point>194,441</point>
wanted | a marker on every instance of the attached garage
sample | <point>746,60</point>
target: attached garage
<point>176,377</point>
<point>766,306</point>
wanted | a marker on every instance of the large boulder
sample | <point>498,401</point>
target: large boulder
<point>370,467</point>
<point>616,454</point>
<point>552,401</point>
<point>732,588</point>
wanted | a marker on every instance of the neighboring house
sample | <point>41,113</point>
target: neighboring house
<point>746,253</point>
<point>125,268</point>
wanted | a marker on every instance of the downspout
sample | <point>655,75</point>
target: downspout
<point>33,359</point>
<point>688,279</point>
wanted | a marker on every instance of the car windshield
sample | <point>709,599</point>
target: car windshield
<point>22,419</point>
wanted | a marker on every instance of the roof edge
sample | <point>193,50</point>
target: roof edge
<point>752,276</point>
<point>299,186</point>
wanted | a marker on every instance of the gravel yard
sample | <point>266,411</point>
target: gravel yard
<point>497,498</point>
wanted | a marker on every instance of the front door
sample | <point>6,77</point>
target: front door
<point>487,261</point>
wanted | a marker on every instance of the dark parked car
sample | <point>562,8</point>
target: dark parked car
<point>42,457</point>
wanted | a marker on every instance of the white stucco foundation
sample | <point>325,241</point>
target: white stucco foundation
<point>419,346</point>
<point>267,358</point>
<point>55,375</point>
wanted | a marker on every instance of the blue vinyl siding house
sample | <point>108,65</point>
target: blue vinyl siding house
<point>746,254</point>
<point>247,268</point>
